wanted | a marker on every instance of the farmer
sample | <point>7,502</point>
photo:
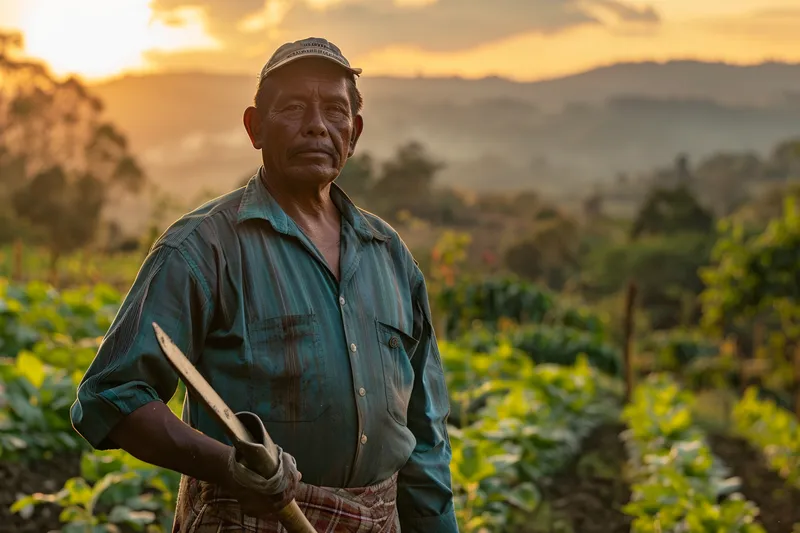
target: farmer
<point>297,306</point>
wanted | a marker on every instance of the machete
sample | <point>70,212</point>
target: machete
<point>265,465</point>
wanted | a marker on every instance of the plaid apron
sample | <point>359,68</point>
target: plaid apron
<point>202,508</point>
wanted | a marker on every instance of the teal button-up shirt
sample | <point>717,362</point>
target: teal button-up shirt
<point>345,375</point>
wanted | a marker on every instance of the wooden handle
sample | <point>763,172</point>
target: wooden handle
<point>293,519</point>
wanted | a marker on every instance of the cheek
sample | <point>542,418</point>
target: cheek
<point>345,134</point>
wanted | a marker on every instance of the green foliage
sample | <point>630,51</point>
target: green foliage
<point>674,349</point>
<point>557,344</point>
<point>754,274</point>
<point>677,483</point>
<point>406,180</point>
<point>772,430</point>
<point>489,300</point>
<point>34,409</point>
<point>666,272</point>
<point>519,423</point>
<point>113,490</point>
<point>77,269</point>
<point>699,361</point>
<point>35,312</point>
<point>671,211</point>
<point>549,254</point>
<point>357,176</point>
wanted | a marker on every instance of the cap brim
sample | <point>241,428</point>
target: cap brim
<point>284,62</point>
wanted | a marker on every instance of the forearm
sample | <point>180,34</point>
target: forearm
<point>156,436</point>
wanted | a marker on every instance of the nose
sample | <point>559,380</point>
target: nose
<point>315,126</point>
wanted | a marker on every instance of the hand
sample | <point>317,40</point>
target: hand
<point>257,495</point>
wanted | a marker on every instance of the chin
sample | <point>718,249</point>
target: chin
<point>313,175</point>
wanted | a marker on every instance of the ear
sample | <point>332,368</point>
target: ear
<point>358,128</point>
<point>252,123</point>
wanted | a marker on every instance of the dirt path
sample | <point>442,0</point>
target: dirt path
<point>39,476</point>
<point>779,504</point>
<point>587,496</point>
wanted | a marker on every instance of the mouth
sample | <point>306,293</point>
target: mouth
<point>314,152</point>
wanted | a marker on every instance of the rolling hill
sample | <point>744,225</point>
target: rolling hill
<point>558,136</point>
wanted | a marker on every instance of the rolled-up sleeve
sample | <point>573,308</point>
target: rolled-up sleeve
<point>129,369</point>
<point>425,495</point>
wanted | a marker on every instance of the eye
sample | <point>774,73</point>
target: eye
<point>293,107</point>
<point>337,110</point>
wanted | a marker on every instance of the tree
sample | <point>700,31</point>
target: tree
<point>356,178</point>
<point>785,160</point>
<point>665,269</point>
<point>671,211</point>
<point>406,180</point>
<point>755,278</point>
<point>550,254</point>
<point>756,274</point>
<point>67,162</point>
<point>724,179</point>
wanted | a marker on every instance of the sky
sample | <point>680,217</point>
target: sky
<point>517,39</point>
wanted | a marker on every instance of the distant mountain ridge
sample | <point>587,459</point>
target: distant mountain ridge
<point>558,135</point>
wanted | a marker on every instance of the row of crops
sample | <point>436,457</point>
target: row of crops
<point>526,401</point>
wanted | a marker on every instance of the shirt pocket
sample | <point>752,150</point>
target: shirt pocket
<point>396,347</point>
<point>288,375</point>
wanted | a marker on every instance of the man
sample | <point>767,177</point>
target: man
<point>300,308</point>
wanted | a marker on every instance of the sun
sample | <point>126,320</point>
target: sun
<point>97,39</point>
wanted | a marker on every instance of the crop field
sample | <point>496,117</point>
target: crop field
<point>543,437</point>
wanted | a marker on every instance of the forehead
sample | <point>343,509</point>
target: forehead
<point>309,74</point>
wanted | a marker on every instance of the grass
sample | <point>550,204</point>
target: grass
<point>83,267</point>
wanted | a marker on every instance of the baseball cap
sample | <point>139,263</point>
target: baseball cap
<point>305,48</point>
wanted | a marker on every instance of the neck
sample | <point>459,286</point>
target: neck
<point>311,208</point>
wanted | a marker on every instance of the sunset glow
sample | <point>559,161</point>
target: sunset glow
<point>98,39</point>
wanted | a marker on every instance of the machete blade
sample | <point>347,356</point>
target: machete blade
<point>201,388</point>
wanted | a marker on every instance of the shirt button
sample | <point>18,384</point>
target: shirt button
<point>353,348</point>
<point>394,342</point>
<point>341,300</point>
<point>363,439</point>
<point>362,391</point>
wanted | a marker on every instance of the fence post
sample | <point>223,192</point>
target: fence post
<point>630,297</point>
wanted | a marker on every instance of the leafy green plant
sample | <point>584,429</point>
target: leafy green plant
<point>517,423</point>
<point>545,343</point>
<point>114,490</point>
<point>488,300</point>
<point>772,430</point>
<point>677,483</point>
<point>34,409</point>
<point>756,273</point>
<point>35,311</point>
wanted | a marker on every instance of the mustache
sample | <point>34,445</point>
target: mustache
<point>314,148</point>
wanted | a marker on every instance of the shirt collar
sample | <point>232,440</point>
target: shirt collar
<point>257,202</point>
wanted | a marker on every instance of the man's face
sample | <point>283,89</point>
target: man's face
<point>305,126</point>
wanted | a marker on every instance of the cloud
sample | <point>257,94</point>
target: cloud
<point>362,26</point>
<point>629,13</point>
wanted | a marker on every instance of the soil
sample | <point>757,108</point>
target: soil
<point>587,496</point>
<point>779,504</point>
<point>47,476</point>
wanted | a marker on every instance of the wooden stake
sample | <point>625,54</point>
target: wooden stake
<point>630,297</point>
